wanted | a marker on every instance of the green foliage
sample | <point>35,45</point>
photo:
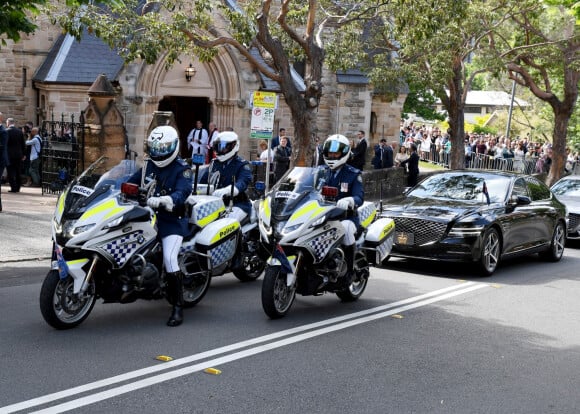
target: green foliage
<point>15,18</point>
<point>422,103</point>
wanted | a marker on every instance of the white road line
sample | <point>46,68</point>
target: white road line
<point>399,306</point>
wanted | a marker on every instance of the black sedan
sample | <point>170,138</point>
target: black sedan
<point>477,216</point>
<point>567,189</point>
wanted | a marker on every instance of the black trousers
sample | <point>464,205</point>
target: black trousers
<point>14,170</point>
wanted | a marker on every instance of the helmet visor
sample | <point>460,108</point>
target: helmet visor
<point>160,150</point>
<point>223,147</point>
<point>334,150</point>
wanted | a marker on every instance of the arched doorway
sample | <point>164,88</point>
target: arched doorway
<point>187,111</point>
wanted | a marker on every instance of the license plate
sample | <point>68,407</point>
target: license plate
<point>404,238</point>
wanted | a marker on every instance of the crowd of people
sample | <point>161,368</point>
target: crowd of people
<point>484,150</point>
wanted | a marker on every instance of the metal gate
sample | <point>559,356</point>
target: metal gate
<point>62,152</point>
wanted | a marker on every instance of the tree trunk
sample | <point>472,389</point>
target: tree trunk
<point>456,121</point>
<point>561,120</point>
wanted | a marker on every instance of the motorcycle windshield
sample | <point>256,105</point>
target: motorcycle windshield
<point>97,182</point>
<point>297,187</point>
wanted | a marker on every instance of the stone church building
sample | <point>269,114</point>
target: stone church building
<point>48,75</point>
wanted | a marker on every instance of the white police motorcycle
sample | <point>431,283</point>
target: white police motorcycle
<point>105,246</point>
<point>300,224</point>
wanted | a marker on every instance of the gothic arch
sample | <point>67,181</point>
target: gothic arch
<point>221,80</point>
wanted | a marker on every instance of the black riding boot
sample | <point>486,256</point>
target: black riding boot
<point>175,297</point>
<point>349,252</point>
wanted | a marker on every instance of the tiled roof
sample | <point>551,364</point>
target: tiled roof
<point>352,76</point>
<point>81,62</point>
<point>273,86</point>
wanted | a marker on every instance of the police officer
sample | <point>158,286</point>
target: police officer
<point>173,183</point>
<point>228,168</point>
<point>336,152</point>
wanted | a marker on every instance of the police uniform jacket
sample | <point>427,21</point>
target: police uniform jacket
<point>174,180</point>
<point>348,180</point>
<point>224,173</point>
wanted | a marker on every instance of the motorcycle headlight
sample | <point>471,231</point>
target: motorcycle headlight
<point>113,223</point>
<point>81,229</point>
<point>280,226</point>
<point>318,222</point>
<point>290,229</point>
<point>67,227</point>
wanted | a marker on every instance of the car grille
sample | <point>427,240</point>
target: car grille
<point>574,221</point>
<point>424,231</point>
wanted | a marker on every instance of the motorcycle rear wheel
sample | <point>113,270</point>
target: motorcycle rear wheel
<point>355,290</point>
<point>277,296</point>
<point>59,306</point>
<point>194,292</point>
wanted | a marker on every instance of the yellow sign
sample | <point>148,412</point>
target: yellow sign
<point>263,99</point>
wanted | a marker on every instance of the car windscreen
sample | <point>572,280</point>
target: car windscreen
<point>463,187</point>
<point>567,188</point>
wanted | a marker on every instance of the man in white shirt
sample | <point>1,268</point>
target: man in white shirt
<point>197,140</point>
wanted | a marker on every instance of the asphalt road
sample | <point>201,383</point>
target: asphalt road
<point>424,338</point>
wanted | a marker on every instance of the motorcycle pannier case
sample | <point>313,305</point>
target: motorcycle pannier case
<point>205,210</point>
<point>379,240</point>
<point>218,240</point>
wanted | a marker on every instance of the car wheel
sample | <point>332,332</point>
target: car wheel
<point>556,250</point>
<point>490,252</point>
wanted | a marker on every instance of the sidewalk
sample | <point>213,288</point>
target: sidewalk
<point>25,225</point>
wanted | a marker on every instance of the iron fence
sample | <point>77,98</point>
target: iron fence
<point>62,152</point>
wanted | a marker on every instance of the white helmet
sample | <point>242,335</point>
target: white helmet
<point>336,150</point>
<point>162,145</point>
<point>226,145</point>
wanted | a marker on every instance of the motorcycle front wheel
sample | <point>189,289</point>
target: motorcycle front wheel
<point>277,296</point>
<point>60,307</point>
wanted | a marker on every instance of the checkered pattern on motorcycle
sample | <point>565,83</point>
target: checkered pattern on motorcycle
<point>322,243</point>
<point>202,210</point>
<point>223,252</point>
<point>123,248</point>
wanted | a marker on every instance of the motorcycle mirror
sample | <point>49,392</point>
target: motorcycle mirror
<point>130,189</point>
<point>328,191</point>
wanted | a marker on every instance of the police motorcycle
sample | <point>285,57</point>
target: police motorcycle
<point>250,256</point>
<point>105,246</point>
<point>300,224</point>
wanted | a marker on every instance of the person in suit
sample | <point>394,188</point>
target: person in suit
<point>16,148</point>
<point>359,153</point>
<point>317,157</point>
<point>276,140</point>
<point>3,153</point>
<point>282,154</point>
<point>412,164</point>
<point>383,155</point>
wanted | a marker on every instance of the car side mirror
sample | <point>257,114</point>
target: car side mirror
<point>520,200</point>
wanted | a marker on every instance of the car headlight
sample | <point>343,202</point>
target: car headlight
<point>466,230</point>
